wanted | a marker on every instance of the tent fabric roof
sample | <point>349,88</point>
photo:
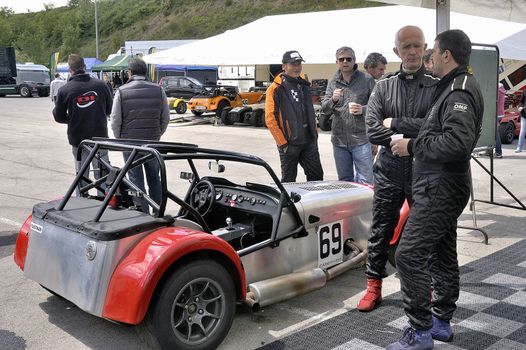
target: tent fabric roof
<point>317,36</point>
<point>89,61</point>
<point>117,63</point>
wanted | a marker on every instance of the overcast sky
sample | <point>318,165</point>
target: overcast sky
<point>31,5</point>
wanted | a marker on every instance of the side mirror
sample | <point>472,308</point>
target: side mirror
<point>295,197</point>
<point>186,176</point>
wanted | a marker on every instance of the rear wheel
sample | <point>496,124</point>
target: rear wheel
<point>25,91</point>
<point>507,133</point>
<point>181,108</point>
<point>194,309</point>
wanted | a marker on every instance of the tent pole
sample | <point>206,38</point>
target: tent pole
<point>442,15</point>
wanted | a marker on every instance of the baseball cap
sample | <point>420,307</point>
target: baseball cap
<point>291,56</point>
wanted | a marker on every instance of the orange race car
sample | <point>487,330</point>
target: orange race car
<point>216,98</point>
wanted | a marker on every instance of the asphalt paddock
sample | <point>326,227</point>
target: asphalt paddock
<point>36,165</point>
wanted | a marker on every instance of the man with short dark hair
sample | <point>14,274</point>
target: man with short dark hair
<point>346,99</point>
<point>375,64</point>
<point>84,104</point>
<point>289,115</point>
<point>140,111</point>
<point>426,257</point>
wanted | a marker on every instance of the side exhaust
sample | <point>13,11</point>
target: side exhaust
<point>281,288</point>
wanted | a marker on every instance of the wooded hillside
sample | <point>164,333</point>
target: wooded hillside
<point>71,28</point>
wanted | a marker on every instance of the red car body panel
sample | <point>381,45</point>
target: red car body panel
<point>404,214</point>
<point>21,243</point>
<point>137,275</point>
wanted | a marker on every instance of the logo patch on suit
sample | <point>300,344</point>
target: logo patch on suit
<point>459,106</point>
<point>86,99</point>
<point>294,94</point>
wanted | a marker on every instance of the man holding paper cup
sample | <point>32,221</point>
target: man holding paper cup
<point>346,97</point>
<point>397,105</point>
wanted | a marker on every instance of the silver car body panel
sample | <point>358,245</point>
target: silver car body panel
<point>57,258</point>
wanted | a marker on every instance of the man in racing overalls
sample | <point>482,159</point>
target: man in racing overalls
<point>441,188</point>
<point>397,104</point>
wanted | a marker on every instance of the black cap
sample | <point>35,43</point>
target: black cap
<point>291,56</point>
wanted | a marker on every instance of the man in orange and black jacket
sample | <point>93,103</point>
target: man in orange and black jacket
<point>289,115</point>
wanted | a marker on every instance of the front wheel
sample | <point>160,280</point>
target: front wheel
<point>195,307</point>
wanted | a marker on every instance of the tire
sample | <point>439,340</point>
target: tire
<point>43,92</point>
<point>181,108</point>
<point>196,113</point>
<point>254,119</point>
<point>325,122</point>
<point>226,117</point>
<point>507,133</point>
<point>259,117</point>
<point>175,321</point>
<point>25,91</point>
<point>222,105</point>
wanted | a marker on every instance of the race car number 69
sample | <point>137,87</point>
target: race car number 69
<point>330,244</point>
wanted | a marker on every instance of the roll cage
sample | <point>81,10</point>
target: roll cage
<point>110,178</point>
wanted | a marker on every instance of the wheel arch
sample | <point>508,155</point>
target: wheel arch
<point>140,275</point>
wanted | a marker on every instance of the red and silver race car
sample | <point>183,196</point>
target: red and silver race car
<point>220,235</point>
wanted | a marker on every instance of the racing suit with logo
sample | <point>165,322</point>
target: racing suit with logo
<point>84,104</point>
<point>406,98</point>
<point>289,115</point>
<point>441,190</point>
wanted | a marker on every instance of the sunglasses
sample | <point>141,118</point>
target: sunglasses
<point>348,59</point>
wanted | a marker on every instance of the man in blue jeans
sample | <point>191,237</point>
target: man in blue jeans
<point>346,98</point>
<point>140,111</point>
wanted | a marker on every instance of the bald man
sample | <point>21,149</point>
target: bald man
<point>397,105</point>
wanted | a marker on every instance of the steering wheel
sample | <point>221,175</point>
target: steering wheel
<point>202,197</point>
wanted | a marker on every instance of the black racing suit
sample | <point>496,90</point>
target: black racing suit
<point>441,189</point>
<point>406,98</point>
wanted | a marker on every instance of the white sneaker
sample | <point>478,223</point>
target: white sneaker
<point>518,150</point>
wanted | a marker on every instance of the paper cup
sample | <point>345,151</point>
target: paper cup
<point>397,137</point>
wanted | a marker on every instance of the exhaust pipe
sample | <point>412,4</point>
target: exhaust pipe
<point>356,261</point>
<point>281,288</point>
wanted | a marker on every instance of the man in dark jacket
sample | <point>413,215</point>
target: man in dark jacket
<point>84,104</point>
<point>140,111</point>
<point>427,255</point>
<point>289,115</point>
<point>346,98</point>
<point>398,104</point>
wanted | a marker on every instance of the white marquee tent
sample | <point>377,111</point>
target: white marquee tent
<point>317,35</point>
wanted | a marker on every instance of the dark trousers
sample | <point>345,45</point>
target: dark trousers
<point>427,252</point>
<point>392,178</point>
<point>307,156</point>
<point>153,178</point>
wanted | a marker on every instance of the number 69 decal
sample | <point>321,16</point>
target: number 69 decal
<point>330,244</point>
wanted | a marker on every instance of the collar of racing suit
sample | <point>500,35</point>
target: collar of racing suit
<point>410,76</point>
<point>448,78</point>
